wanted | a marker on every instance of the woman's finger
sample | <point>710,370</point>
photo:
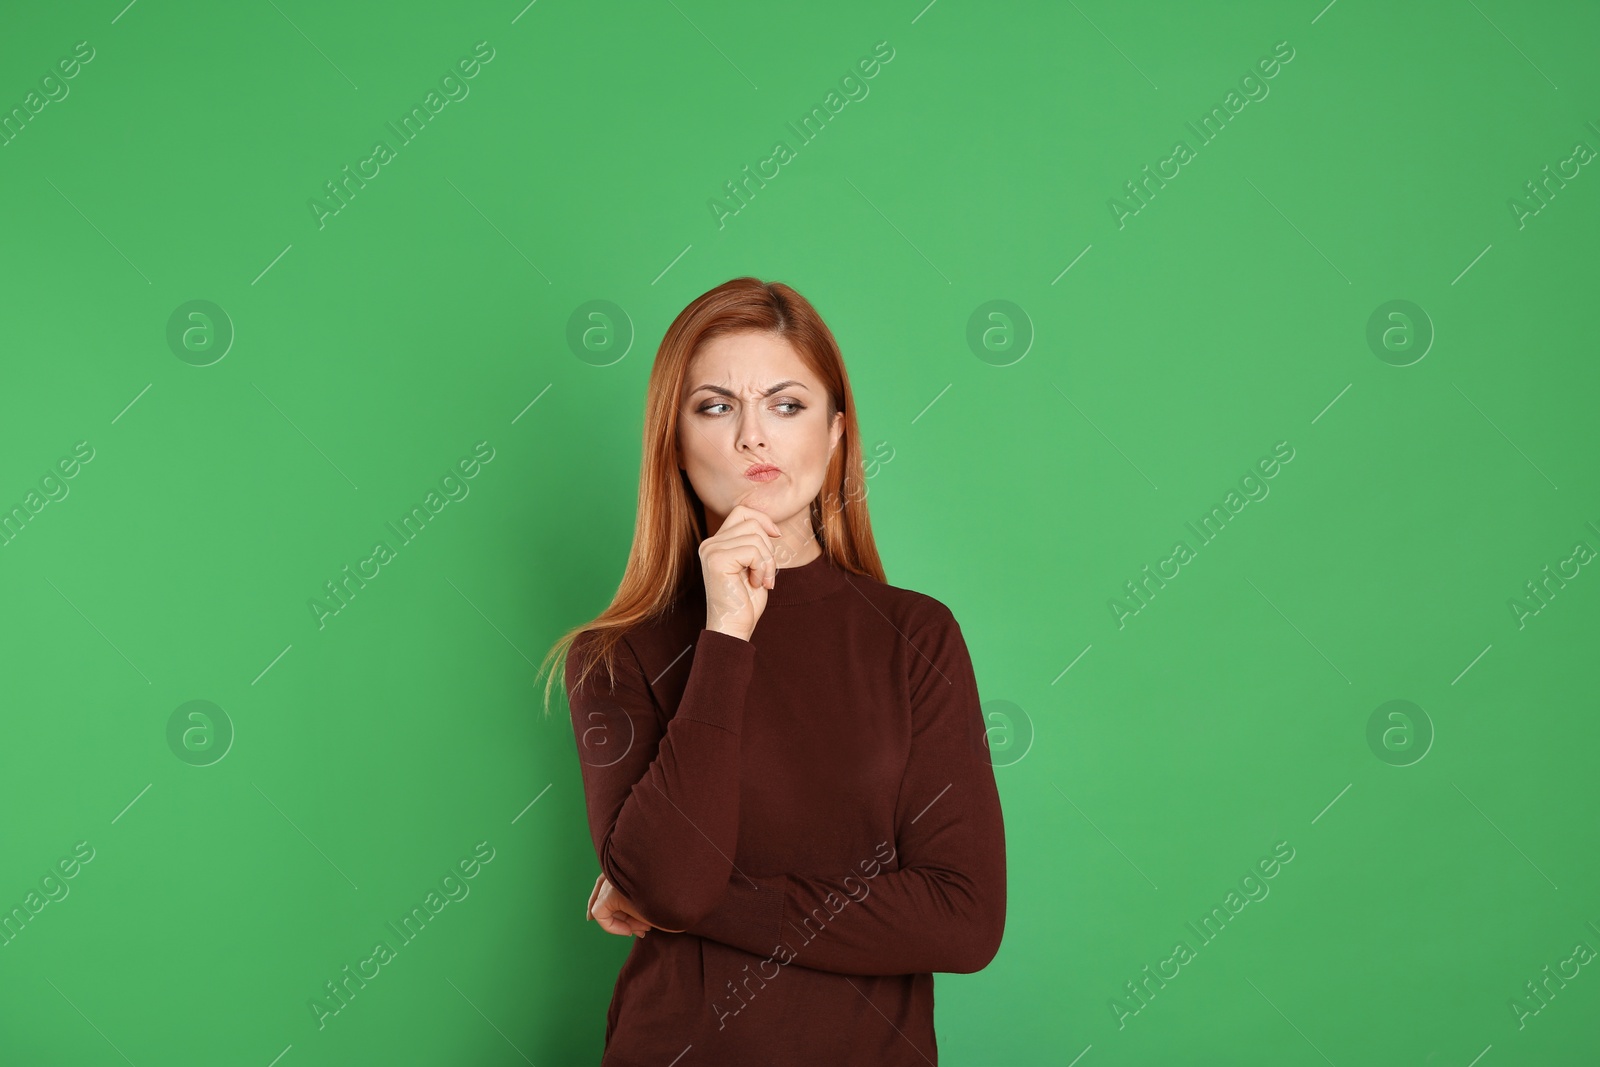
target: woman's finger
<point>614,912</point>
<point>623,919</point>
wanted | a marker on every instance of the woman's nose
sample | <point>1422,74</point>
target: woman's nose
<point>750,432</point>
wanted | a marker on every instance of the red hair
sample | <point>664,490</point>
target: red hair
<point>671,520</point>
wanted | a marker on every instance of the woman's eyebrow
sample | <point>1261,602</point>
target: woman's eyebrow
<point>720,391</point>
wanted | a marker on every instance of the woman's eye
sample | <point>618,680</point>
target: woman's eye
<point>798,407</point>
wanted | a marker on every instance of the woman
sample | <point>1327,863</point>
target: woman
<point>785,769</point>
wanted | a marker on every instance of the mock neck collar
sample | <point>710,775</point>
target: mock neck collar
<point>809,581</point>
<point>794,585</point>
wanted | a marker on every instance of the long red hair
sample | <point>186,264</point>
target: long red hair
<point>671,520</point>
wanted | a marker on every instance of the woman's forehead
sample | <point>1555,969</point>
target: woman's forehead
<point>747,364</point>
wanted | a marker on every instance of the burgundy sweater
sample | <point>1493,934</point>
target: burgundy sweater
<point>815,807</point>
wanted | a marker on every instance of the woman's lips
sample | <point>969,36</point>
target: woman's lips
<point>762,473</point>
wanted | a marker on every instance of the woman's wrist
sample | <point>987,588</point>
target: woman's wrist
<point>741,635</point>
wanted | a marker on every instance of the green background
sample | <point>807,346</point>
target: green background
<point>1146,761</point>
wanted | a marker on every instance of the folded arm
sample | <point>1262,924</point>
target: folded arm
<point>934,899</point>
<point>662,803</point>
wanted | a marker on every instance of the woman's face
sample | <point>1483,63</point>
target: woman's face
<point>750,400</point>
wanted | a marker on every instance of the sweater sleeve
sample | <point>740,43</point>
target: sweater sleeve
<point>663,803</point>
<point>932,900</point>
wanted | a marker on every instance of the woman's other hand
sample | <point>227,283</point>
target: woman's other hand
<point>616,914</point>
